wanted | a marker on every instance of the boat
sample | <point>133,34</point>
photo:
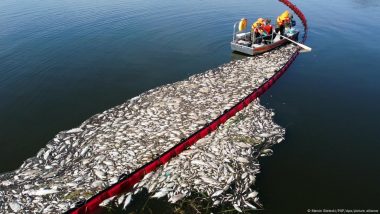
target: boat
<point>242,41</point>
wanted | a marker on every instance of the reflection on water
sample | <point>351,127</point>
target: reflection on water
<point>237,56</point>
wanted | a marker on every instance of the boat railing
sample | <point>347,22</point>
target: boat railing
<point>235,31</point>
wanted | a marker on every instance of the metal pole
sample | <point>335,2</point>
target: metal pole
<point>233,33</point>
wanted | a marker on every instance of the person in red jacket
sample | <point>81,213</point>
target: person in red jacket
<point>268,28</point>
<point>267,31</point>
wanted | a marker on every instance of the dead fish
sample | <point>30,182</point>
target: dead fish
<point>250,205</point>
<point>120,200</point>
<point>242,160</point>
<point>75,130</point>
<point>159,194</point>
<point>267,151</point>
<point>7,183</point>
<point>127,201</point>
<point>216,203</point>
<point>237,208</point>
<point>100,174</point>
<point>84,150</point>
<point>265,135</point>
<point>41,192</point>
<point>252,194</point>
<point>244,175</point>
<point>217,193</point>
<point>198,162</point>
<point>15,207</point>
<point>107,201</point>
<point>176,198</point>
<point>209,180</point>
<point>46,154</point>
<point>96,184</point>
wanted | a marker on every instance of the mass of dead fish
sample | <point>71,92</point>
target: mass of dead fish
<point>222,165</point>
<point>80,162</point>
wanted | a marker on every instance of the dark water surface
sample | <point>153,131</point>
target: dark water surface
<point>63,61</point>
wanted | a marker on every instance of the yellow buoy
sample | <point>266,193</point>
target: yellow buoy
<point>243,24</point>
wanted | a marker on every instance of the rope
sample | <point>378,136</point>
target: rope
<point>127,182</point>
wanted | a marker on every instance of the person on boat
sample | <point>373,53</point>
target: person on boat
<point>267,31</point>
<point>258,21</point>
<point>284,20</point>
<point>257,30</point>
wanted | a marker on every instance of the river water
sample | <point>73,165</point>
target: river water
<point>63,61</point>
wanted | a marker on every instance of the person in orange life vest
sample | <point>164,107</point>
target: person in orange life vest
<point>257,30</point>
<point>284,20</point>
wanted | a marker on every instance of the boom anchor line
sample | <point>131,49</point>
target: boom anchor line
<point>127,182</point>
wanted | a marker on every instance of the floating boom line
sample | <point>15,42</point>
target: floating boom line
<point>126,182</point>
